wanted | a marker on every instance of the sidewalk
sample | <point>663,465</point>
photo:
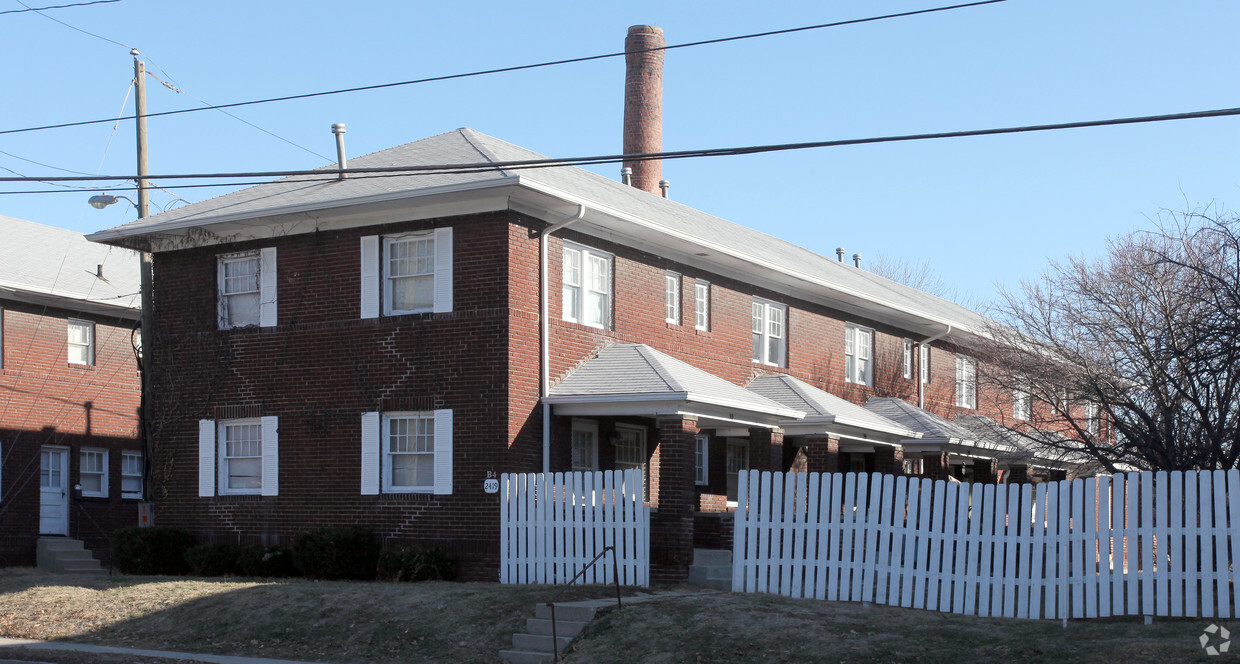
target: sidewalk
<point>8,644</point>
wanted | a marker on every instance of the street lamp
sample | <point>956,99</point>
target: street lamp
<point>101,201</point>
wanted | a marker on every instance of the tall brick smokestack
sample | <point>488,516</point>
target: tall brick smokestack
<point>643,104</point>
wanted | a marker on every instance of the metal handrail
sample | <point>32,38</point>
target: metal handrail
<point>615,579</point>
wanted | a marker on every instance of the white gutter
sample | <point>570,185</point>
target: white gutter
<point>544,338</point>
<point>921,387</point>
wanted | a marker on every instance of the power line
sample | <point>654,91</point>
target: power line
<point>439,169</point>
<point>501,70</point>
<point>85,32</point>
<point>42,9</point>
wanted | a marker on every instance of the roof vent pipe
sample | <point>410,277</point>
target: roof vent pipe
<point>626,176</point>
<point>338,130</point>
<point>839,254</point>
<point>857,260</point>
<point>664,185</point>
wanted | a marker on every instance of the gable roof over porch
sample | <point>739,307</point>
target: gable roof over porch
<point>941,435</point>
<point>637,380</point>
<point>826,413</point>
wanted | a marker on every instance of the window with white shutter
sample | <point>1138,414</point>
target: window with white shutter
<point>408,273</point>
<point>407,452</point>
<point>239,456</point>
<point>247,289</point>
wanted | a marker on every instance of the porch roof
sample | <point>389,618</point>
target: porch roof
<point>1034,446</point>
<point>637,380</point>
<point>827,413</point>
<point>939,434</point>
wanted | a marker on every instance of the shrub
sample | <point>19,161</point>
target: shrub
<point>412,563</point>
<point>153,550</point>
<point>345,552</point>
<point>216,559</point>
<point>269,561</point>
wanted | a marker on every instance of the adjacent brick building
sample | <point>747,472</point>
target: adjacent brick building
<point>369,350</point>
<point>70,460</point>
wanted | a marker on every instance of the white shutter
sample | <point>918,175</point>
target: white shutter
<point>443,270</point>
<point>370,454</point>
<point>206,458</point>
<point>443,452</point>
<point>271,456</point>
<point>267,288</point>
<point>370,276</point>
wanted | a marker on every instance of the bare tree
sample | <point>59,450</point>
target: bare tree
<point>919,275</point>
<point>1133,358</point>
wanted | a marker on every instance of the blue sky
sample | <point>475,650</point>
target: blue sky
<point>983,211</point>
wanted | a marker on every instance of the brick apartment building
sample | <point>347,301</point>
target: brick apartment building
<point>70,460</point>
<point>369,350</point>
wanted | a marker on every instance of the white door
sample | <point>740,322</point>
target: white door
<point>54,491</point>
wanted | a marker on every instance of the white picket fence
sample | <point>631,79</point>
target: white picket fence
<point>1152,544</point>
<point>552,525</point>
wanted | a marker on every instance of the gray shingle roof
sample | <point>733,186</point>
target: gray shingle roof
<point>932,426</point>
<point>468,146</point>
<point>632,370</point>
<point>60,263</point>
<point>817,403</point>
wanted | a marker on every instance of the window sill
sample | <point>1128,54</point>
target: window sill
<point>84,367</point>
<point>407,496</point>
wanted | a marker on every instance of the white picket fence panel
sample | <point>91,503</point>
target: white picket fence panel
<point>552,525</point>
<point>1152,543</point>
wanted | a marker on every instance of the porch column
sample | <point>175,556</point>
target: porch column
<point>671,526</point>
<point>823,453</point>
<point>934,465</point>
<point>985,470</point>
<point>766,449</point>
<point>888,460</point>
<point>795,459</point>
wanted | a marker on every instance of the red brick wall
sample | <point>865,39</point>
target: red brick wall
<point>44,400</point>
<point>319,370</point>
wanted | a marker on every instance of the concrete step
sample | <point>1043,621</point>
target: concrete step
<point>575,613</point>
<point>539,642</point>
<point>525,657</point>
<point>712,557</point>
<point>65,555</point>
<point>712,576</point>
<point>562,627</point>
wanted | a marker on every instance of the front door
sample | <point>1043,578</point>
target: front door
<point>54,491</point>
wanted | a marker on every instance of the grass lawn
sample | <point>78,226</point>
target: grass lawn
<point>336,621</point>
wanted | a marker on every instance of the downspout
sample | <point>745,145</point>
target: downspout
<point>921,387</point>
<point>544,334</point>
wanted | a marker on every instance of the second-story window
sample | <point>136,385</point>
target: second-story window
<point>671,297</point>
<point>858,354</point>
<point>1022,401</point>
<point>409,280</point>
<point>923,363</point>
<point>587,286</point>
<point>966,381</point>
<point>701,305</point>
<point>769,333</point>
<point>247,288</point>
<point>81,346</point>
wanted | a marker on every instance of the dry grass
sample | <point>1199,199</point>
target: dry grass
<point>447,622</point>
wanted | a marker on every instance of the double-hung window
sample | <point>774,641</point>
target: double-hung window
<point>701,305</point>
<point>671,297</point>
<point>966,381</point>
<point>1092,421</point>
<point>247,288</point>
<point>858,353</point>
<point>630,444</point>
<point>587,286</point>
<point>131,474</point>
<point>585,445</point>
<point>769,332</point>
<point>81,346</point>
<point>407,452</point>
<point>239,456</point>
<point>408,273</point>
<point>93,473</point>
<point>737,463</point>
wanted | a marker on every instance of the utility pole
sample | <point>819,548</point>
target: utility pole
<point>148,313</point>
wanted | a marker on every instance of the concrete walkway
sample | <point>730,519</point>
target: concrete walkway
<point>7,644</point>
